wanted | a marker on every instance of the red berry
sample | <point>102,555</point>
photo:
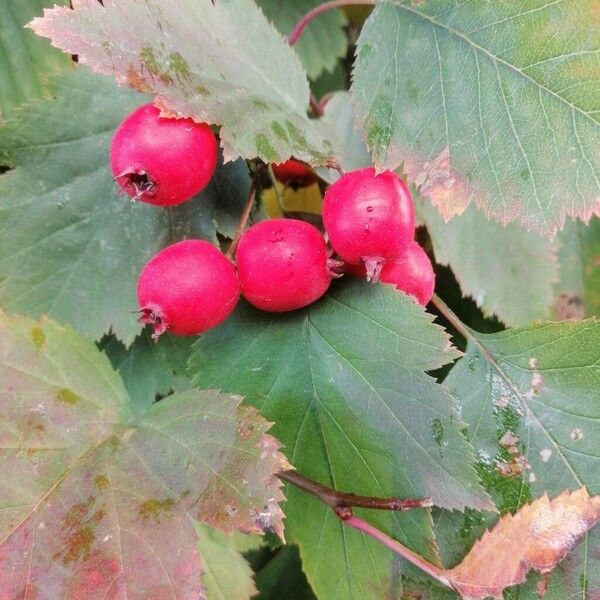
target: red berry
<point>369,218</point>
<point>282,264</point>
<point>294,174</point>
<point>411,273</point>
<point>162,161</point>
<point>187,288</point>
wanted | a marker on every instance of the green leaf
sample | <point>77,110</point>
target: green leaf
<point>343,380</point>
<point>508,271</point>
<point>496,102</point>
<point>255,88</point>
<point>578,292</point>
<point>352,150</point>
<point>323,41</point>
<point>26,61</point>
<point>282,578</point>
<point>531,397</point>
<point>149,367</point>
<point>95,501</point>
<point>70,247</point>
<point>227,575</point>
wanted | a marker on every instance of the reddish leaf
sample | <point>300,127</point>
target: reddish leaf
<point>95,504</point>
<point>537,537</point>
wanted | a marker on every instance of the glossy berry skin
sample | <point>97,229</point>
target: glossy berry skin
<point>411,273</point>
<point>369,218</point>
<point>162,161</point>
<point>187,288</point>
<point>282,265</point>
<point>294,174</point>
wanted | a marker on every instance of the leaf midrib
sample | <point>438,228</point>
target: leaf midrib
<point>496,59</point>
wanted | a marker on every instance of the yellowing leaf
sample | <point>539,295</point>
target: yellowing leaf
<point>304,200</point>
<point>537,537</point>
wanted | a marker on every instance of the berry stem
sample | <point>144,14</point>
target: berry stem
<point>318,10</point>
<point>244,218</point>
<point>432,570</point>
<point>341,500</point>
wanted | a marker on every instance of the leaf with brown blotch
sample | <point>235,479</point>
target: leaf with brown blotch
<point>98,503</point>
<point>537,537</point>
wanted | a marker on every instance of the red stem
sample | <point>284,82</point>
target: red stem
<point>318,10</point>
<point>436,572</point>
<point>243,219</point>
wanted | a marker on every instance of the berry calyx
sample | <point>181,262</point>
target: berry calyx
<point>162,161</point>
<point>187,288</point>
<point>282,265</point>
<point>369,218</point>
<point>411,273</point>
<point>294,174</point>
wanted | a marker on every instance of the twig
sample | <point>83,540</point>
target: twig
<point>318,10</point>
<point>469,336</point>
<point>432,570</point>
<point>340,500</point>
<point>244,218</point>
<point>342,504</point>
<point>451,317</point>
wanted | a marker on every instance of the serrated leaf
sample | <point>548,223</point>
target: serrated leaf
<point>531,398</point>
<point>224,64</point>
<point>495,102</point>
<point>508,271</point>
<point>227,575</point>
<point>26,60</point>
<point>537,537</point>
<point>149,367</point>
<point>98,504</point>
<point>323,41</point>
<point>69,246</point>
<point>344,383</point>
<point>578,291</point>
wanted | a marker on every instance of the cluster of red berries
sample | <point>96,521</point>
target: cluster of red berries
<point>281,264</point>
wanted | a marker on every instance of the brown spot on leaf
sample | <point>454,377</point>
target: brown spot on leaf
<point>437,179</point>
<point>101,482</point>
<point>155,509</point>
<point>569,307</point>
<point>137,81</point>
<point>38,337</point>
<point>79,530</point>
<point>67,396</point>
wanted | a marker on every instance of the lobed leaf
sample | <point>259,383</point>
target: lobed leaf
<point>537,537</point>
<point>104,504</point>
<point>495,102</point>
<point>531,397</point>
<point>344,382</point>
<point>211,68</point>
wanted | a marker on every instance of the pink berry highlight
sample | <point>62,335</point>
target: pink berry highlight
<point>369,218</point>
<point>282,265</point>
<point>187,289</point>
<point>162,161</point>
